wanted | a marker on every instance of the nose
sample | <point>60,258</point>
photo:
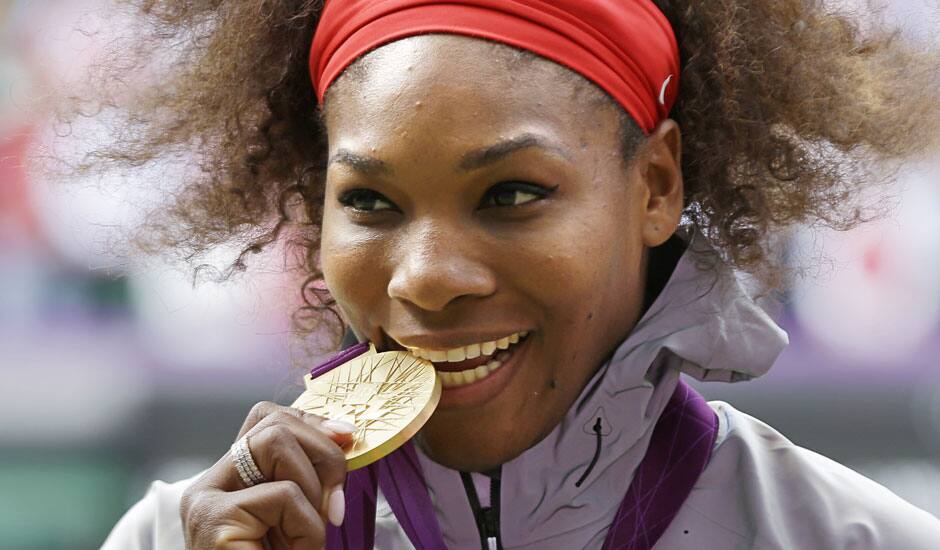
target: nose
<point>433,266</point>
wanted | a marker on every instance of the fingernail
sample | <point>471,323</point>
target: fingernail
<point>339,426</point>
<point>337,507</point>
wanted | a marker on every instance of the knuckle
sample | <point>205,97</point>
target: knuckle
<point>192,502</point>
<point>186,501</point>
<point>312,420</point>
<point>279,435</point>
<point>197,510</point>
<point>281,416</point>
<point>309,416</point>
<point>292,492</point>
<point>334,457</point>
<point>260,410</point>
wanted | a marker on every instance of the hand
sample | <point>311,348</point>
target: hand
<point>301,459</point>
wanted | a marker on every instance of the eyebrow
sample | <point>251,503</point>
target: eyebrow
<point>473,160</point>
<point>369,166</point>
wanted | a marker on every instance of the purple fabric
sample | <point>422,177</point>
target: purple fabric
<point>358,529</point>
<point>402,483</point>
<point>339,359</point>
<point>678,453</point>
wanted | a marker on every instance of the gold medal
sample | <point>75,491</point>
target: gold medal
<point>388,396</point>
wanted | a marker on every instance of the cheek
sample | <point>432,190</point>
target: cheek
<point>351,266</point>
<point>592,289</point>
<point>580,264</point>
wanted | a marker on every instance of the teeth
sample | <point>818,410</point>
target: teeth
<point>473,351</point>
<point>468,352</point>
<point>469,376</point>
<point>449,379</point>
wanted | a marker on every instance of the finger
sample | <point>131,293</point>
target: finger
<point>248,515</point>
<point>340,430</point>
<point>286,460</point>
<point>262,410</point>
<point>326,457</point>
<point>276,540</point>
<point>285,447</point>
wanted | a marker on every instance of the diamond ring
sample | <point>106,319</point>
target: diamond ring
<point>245,464</point>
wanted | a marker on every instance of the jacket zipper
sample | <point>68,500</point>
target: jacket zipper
<point>487,518</point>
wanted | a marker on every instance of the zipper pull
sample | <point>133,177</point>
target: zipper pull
<point>490,523</point>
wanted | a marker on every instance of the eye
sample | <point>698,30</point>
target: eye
<point>365,200</point>
<point>515,193</point>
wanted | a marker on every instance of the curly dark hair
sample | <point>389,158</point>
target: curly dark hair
<point>785,107</point>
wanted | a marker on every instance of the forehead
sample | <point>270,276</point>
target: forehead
<point>435,84</point>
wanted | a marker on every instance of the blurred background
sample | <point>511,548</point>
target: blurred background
<point>116,371</point>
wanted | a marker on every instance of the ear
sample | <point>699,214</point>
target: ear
<point>660,169</point>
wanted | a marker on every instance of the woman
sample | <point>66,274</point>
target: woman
<point>492,174</point>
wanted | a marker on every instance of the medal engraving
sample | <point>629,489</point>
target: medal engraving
<point>388,396</point>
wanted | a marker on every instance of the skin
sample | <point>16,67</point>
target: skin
<point>431,254</point>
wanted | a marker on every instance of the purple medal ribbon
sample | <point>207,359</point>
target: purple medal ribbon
<point>679,450</point>
<point>340,358</point>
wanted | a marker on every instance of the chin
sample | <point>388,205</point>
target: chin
<point>465,453</point>
<point>455,459</point>
<point>475,446</point>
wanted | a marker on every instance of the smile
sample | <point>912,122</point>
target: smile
<point>465,365</point>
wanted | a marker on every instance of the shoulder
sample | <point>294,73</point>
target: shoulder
<point>762,491</point>
<point>154,521</point>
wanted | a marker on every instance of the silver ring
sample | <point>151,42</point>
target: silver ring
<point>245,464</point>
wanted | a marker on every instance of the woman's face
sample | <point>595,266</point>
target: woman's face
<point>468,199</point>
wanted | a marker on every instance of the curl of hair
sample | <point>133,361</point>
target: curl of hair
<point>785,106</point>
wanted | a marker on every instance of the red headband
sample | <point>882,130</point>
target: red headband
<point>626,47</point>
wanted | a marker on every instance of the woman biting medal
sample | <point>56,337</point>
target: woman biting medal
<point>528,217</point>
